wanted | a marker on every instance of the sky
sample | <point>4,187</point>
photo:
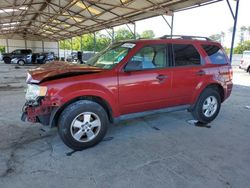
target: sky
<point>202,21</point>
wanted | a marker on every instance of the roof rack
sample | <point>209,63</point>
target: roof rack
<point>185,37</point>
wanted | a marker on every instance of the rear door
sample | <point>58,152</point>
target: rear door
<point>145,82</point>
<point>187,73</point>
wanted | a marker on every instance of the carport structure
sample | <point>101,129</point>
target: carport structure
<point>63,19</point>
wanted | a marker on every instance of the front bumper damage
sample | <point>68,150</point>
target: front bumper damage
<point>40,111</point>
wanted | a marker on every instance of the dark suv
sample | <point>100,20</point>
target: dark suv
<point>20,55</point>
<point>129,79</point>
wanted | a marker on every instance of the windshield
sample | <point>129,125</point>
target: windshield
<point>111,56</point>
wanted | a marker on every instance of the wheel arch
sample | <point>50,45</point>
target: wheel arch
<point>216,86</point>
<point>21,60</point>
<point>57,111</point>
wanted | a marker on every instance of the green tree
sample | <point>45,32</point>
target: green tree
<point>102,41</point>
<point>216,37</point>
<point>243,29</point>
<point>222,37</point>
<point>147,34</point>
<point>2,49</point>
<point>123,34</point>
<point>242,47</point>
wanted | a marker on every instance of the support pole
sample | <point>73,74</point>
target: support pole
<point>134,31</point>
<point>64,50</point>
<point>71,45</point>
<point>130,30</point>
<point>81,43</point>
<point>25,43</point>
<point>113,35</point>
<point>43,45</point>
<point>7,45</point>
<point>234,30</point>
<point>172,25</point>
<point>58,48</point>
<point>94,42</point>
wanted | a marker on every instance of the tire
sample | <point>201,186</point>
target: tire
<point>7,60</point>
<point>82,124</point>
<point>21,62</point>
<point>207,106</point>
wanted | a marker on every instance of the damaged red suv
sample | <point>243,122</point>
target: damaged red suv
<point>128,79</point>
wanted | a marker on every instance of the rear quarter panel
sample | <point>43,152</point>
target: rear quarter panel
<point>215,73</point>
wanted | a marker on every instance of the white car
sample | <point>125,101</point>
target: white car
<point>245,61</point>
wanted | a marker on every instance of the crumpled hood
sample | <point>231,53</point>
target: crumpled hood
<point>58,69</point>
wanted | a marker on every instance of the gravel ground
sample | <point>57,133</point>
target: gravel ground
<point>162,150</point>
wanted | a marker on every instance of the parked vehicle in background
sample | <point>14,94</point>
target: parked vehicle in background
<point>129,79</point>
<point>245,61</point>
<point>20,54</point>
<point>35,58</point>
<point>86,55</point>
<point>42,58</point>
<point>80,57</point>
<point>72,57</point>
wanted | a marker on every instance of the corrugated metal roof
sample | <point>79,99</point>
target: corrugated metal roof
<point>61,19</point>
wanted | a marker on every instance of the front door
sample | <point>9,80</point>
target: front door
<point>145,82</point>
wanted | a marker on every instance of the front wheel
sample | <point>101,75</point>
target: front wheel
<point>208,106</point>
<point>82,124</point>
<point>7,60</point>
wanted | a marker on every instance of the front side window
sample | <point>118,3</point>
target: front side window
<point>186,54</point>
<point>216,55</point>
<point>110,57</point>
<point>149,57</point>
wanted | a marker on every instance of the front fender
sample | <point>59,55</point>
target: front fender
<point>72,92</point>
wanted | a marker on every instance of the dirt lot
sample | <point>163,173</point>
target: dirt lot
<point>161,150</point>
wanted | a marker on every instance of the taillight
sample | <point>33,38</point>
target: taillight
<point>241,61</point>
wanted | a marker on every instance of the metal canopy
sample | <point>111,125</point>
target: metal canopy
<point>63,19</point>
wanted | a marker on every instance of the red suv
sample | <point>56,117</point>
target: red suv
<point>129,79</point>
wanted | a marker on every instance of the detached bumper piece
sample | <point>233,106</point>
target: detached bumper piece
<point>38,113</point>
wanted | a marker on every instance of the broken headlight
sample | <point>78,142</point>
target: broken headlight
<point>35,91</point>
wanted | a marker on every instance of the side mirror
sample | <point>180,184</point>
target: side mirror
<point>133,66</point>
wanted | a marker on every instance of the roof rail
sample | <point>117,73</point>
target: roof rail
<point>185,37</point>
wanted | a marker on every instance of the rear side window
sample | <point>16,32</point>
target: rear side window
<point>216,55</point>
<point>25,51</point>
<point>186,54</point>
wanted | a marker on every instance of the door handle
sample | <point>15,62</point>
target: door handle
<point>161,77</point>
<point>201,73</point>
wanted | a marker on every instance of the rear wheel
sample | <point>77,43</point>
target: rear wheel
<point>208,106</point>
<point>21,62</point>
<point>83,124</point>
